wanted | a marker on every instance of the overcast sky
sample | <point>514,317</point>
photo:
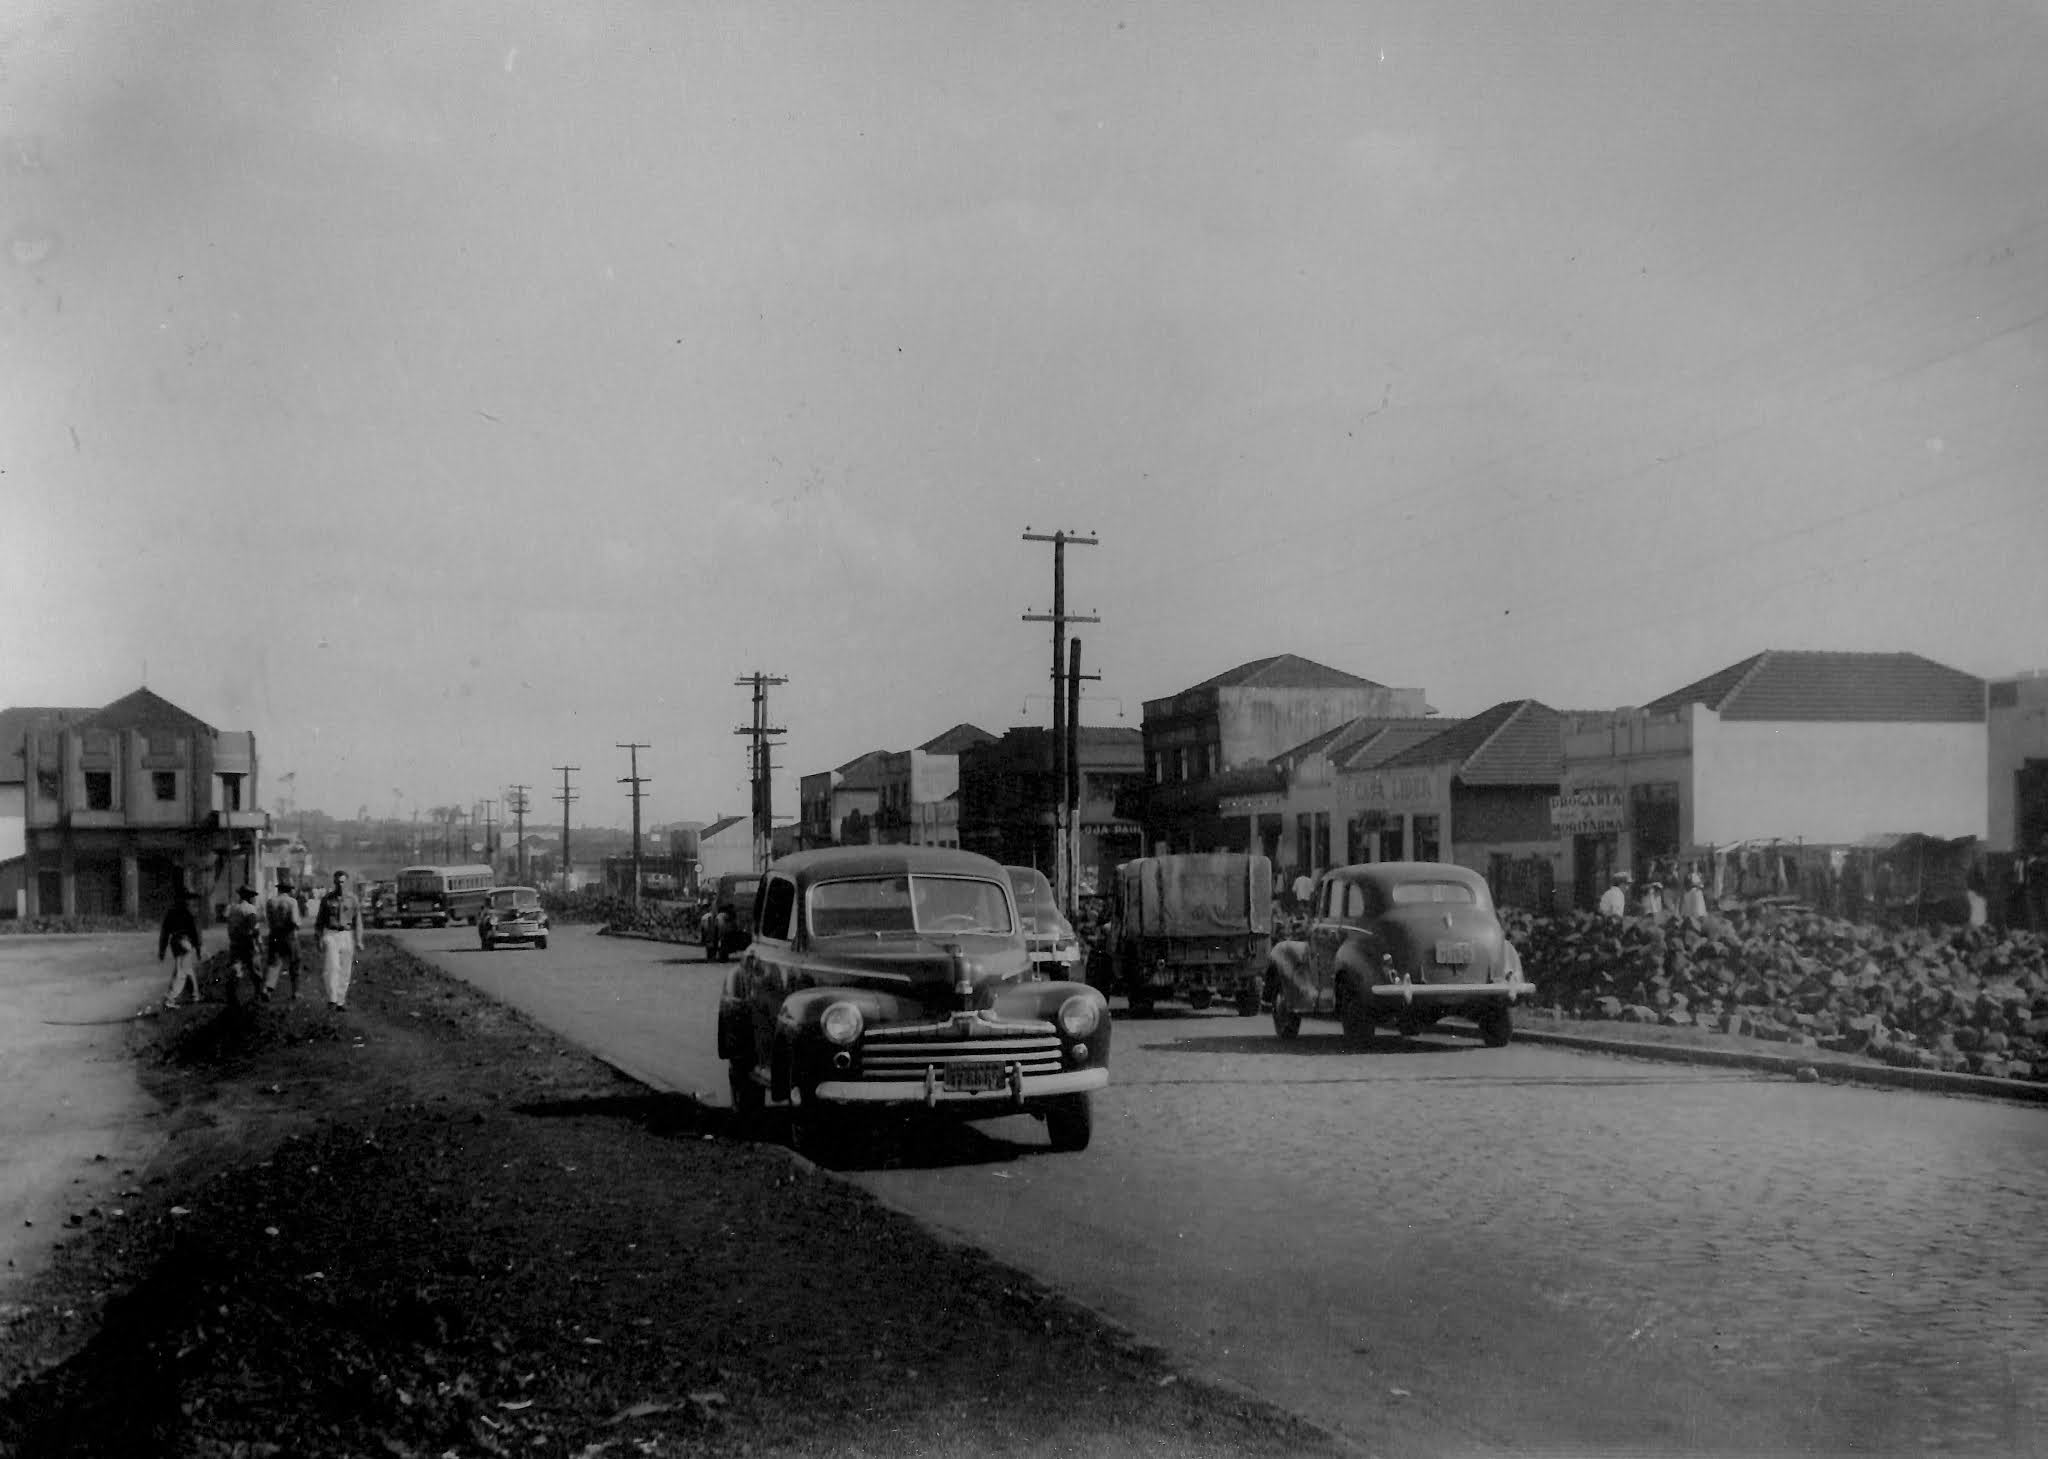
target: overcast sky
<point>451,392</point>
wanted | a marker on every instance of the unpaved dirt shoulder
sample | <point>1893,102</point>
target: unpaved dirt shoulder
<point>427,1226</point>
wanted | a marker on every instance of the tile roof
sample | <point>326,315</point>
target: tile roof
<point>145,710</point>
<point>862,772</point>
<point>1516,742</point>
<point>15,727</point>
<point>1391,737</point>
<point>1357,737</point>
<point>1792,684</point>
<point>956,739</point>
<point>1286,671</point>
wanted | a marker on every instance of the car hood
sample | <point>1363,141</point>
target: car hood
<point>918,964</point>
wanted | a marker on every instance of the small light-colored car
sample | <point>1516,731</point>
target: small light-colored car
<point>511,914</point>
<point>897,980</point>
<point>1404,943</point>
<point>1055,947</point>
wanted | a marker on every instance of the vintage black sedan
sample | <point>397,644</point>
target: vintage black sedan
<point>897,979</point>
<point>1403,943</point>
<point>511,914</point>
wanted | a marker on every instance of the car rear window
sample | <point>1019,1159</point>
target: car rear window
<point>1431,891</point>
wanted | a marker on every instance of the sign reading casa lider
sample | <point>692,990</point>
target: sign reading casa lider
<point>1581,811</point>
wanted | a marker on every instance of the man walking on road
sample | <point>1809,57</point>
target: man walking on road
<point>245,943</point>
<point>339,926</point>
<point>282,913</point>
<point>180,937</point>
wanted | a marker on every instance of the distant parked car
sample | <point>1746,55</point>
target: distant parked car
<point>1055,946</point>
<point>728,920</point>
<point>1402,943</point>
<point>511,914</point>
<point>898,979</point>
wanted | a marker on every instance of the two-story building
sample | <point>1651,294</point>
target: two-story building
<point>15,725</point>
<point>1217,741</point>
<point>1786,749</point>
<point>1007,791</point>
<point>918,788</point>
<point>130,803</point>
<point>1306,821</point>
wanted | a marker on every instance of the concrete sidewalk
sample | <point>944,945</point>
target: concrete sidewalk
<point>1727,1052</point>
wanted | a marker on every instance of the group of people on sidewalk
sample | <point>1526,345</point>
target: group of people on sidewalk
<point>263,943</point>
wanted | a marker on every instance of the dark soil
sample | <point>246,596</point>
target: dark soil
<point>426,1227</point>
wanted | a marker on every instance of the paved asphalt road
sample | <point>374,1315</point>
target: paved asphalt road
<point>1436,1248</point>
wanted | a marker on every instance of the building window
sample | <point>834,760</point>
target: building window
<point>1427,844</point>
<point>49,784</point>
<point>231,792</point>
<point>99,790</point>
<point>1322,840</point>
<point>166,783</point>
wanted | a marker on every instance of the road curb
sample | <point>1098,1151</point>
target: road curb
<point>1925,1081</point>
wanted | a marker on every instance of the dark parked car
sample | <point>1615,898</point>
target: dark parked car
<point>728,919</point>
<point>1403,943</point>
<point>1055,946</point>
<point>897,979</point>
<point>511,914</point>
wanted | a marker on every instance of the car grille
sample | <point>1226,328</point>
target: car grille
<point>905,1053</point>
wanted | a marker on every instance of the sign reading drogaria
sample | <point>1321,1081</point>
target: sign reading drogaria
<point>1580,811</point>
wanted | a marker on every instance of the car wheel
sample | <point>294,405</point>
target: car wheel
<point>1497,1027</point>
<point>748,1098</point>
<point>1286,1022</point>
<point>1357,1021</point>
<point>1248,1003</point>
<point>541,943</point>
<point>817,1131</point>
<point>1070,1122</point>
<point>485,942</point>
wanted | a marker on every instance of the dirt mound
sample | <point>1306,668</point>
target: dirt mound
<point>426,1226</point>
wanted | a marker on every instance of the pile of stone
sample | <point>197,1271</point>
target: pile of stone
<point>1969,999</point>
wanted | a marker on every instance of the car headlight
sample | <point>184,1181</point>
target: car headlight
<point>841,1023</point>
<point>1079,1015</point>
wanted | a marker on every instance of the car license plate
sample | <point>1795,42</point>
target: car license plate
<point>1454,954</point>
<point>974,1076</point>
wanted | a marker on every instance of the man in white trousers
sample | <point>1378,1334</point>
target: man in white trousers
<point>339,926</point>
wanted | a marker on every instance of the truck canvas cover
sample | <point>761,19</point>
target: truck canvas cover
<point>1213,894</point>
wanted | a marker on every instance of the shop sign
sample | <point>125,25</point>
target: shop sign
<point>1395,789</point>
<point>1584,812</point>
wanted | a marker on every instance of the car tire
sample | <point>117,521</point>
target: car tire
<point>1070,1122</point>
<point>818,1132</point>
<point>486,943</point>
<point>1248,1003</point>
<point>1286,1022</point>
<point>748,1098</point>
<point>1497,1027</point>
<point>1357,1022</point>
<point>541,943</point>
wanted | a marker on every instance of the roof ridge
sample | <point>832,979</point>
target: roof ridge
<point>1497,731</point>
<point>1756,667</point>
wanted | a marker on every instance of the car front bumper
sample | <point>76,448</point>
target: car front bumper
<point>1018,1091</point>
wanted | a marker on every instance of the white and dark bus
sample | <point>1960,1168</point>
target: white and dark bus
<point>440,896</point>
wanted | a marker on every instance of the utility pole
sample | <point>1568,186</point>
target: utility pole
<point>491,837</point>
<point>636,780</point>
<point>515,802</point>
<point>1059,618</point>
<point>565,797</point>
<point>1071,790</point>
<point>761,765</point>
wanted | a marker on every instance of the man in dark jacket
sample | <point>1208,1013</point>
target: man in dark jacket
<point>179,936</point>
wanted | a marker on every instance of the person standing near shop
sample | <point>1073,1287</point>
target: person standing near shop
<point>1693,906</point>
<point>1614,901</point>
<point>339,926</point>
<point>179,936</point>
<point>282,951</point>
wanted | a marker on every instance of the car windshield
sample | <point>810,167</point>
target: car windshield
<point>1431,891</point>
<point>519,898</point>
<point>881,905</point>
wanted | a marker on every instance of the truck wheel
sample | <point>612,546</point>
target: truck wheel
<point>1201,998</point>
<point>1247,1002</point>
<point>1070,1122</point>
<point>1286,1022</point>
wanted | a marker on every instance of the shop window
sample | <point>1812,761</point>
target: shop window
<point>1427,847</point>
<point>166,783</point>
<point>99,790</point>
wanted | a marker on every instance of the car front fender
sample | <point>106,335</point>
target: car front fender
<point>1287,968</point>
